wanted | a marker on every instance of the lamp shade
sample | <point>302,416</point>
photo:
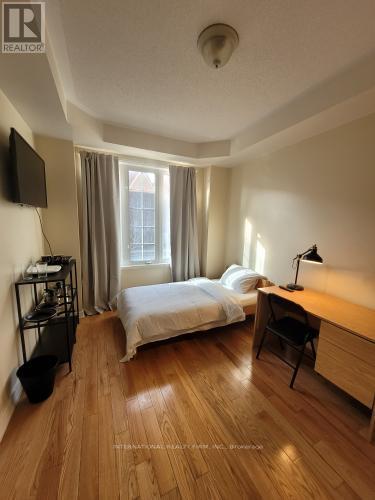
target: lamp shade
<point>313,256</point>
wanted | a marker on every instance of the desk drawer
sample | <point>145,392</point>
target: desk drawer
<point>353,344</point>
<point>348,361</point>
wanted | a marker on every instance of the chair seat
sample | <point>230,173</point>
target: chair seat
<point>292,330</point>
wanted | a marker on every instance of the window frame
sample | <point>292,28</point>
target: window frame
<point>125,213</point>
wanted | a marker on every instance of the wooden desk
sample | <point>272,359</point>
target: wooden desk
<point>346,347</point>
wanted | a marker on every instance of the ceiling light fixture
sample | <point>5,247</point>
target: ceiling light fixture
<point>217,43</point>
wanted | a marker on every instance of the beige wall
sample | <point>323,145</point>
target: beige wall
<point>204,217</point>
<point>318,191</point>
<point>200,209</point>
<point>60,219</point>
<point>149,274</point>
<point>21,242</point>
<point>215,206</point>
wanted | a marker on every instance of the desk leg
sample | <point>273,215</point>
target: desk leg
<point>261,318</point>
<point>371,432</point>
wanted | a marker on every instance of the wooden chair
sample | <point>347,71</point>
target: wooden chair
<point>283,323</point>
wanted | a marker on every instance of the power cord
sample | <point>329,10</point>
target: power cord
<point>43,233</point>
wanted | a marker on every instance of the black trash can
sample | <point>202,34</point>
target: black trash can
<point>37,377</point>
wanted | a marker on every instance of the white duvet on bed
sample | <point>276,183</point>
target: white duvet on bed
<point>156,312</point>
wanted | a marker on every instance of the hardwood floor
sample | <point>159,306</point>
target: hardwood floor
<point>193,418</point>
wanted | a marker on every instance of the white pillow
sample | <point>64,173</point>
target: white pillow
<point>241,279</point>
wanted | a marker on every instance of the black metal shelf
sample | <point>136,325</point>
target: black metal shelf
<point>32,325</point>
<point>57,334</point>
<point>61,275</point>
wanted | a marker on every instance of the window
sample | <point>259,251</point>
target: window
<point>145,215</point>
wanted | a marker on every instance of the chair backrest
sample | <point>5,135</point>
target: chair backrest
<point>281,307</point>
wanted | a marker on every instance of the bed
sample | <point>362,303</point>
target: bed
<point>158,312</point>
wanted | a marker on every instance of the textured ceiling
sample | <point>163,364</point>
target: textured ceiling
<point>135,62</point>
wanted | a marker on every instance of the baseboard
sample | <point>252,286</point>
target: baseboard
<point>12,400</point>
<point>16,391</point>
<point>5,416</point>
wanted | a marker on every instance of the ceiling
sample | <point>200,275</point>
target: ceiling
<point>135,62</point>
<point>125,76</point>
<point>29,83</point>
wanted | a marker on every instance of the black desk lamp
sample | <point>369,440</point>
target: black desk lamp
<point>311,255</point>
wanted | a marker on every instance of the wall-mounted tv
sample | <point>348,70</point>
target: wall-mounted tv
<point>28,173</point>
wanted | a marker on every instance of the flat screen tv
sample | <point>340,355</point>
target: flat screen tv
<point>27,172</point>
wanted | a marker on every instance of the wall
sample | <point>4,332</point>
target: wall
<point>216,195</point>
<point>60,219</point>
<point>203,217</point>
<point>21,243</point>
<point>200,209</point>
<point>318,191</point>
<point>149,274</point>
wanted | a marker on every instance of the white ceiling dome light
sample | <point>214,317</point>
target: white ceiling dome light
<point>217,43</point>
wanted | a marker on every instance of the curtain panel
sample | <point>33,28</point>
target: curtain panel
<point>101,233</point>
<point>184,226</point>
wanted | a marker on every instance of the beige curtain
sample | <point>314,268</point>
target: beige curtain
<point>184,227</point>
<point>100,230</point>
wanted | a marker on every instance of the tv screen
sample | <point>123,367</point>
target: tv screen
<point>28,173</point>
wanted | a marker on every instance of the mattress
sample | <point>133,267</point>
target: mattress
<point>156,312</point>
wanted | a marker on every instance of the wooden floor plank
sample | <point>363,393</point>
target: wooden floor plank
<point>359,482</point>
<point>89,470</point>
<point>26,472</point>
<point>221,425</point>
<point>48,483</point>
<point>187,485</point>
<point>108,479</point>
<point>148,487</point>
<point>70,470</point>
<point>126,470</point>
<point>159,457</point>
<point>118,401</point>
<point>172,495</point>
<point>137,432</point>
<point>206,488</point>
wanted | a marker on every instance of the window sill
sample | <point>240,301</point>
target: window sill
<point>145,266</point>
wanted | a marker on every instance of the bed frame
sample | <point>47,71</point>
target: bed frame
<point>248,310</point>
